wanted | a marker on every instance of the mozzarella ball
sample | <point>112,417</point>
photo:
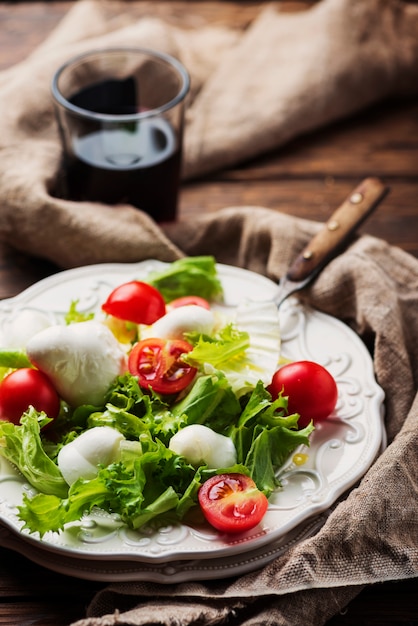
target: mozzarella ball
<point>201,445</point>
<point>81,360</point>
<point>81,457</point>
<point>184,319</point>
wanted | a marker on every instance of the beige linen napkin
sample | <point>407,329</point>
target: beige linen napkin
<point>284,75</point>
<point>371,535</point>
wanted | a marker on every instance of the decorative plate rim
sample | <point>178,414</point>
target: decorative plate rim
<point>357,427</point>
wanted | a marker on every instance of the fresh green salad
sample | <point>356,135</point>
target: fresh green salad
<point>153,408</point>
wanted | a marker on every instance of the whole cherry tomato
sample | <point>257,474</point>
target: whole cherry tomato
<point>136,302</point>
<point>232,503</point>
<point>157,364</point>
<point>27,387</point>
<point>311,389</point>
<point>187,300</point>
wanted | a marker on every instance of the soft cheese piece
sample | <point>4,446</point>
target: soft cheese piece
<point>82,457</point>
<point>81,360</point>
<point>201,445</point>
<point>184,319</point>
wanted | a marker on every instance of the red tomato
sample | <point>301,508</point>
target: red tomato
<point>135,301</point>
<point>232,503</point>
<point>157,364</point>
<point>27,387</point>
<point>187,300</point>
<point>311,389</point>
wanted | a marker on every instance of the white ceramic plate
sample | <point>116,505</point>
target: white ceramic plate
<point>341,450</point>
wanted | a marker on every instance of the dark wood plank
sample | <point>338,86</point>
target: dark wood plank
<point>18,271</point>
<point>395,220</point>
<point>33,595</point>
<point>310,176</point>
<point>379,141</point>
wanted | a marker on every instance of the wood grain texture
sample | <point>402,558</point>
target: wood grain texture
<point>309,178</point>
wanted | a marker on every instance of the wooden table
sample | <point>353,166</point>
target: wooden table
<point>308,178</point>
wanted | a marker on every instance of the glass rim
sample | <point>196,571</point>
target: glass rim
<point>124,117</point>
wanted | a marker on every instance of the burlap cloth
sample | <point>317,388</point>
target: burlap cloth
<point>251,91</point>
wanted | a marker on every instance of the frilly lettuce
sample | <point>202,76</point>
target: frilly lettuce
<point>188,276</point>
<point>246,350</point>
<point>150,483</point>
<point>23,447</point>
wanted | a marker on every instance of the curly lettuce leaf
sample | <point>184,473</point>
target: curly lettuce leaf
<point>13,359</point>
<point>133,412</point>
<point>211,402</point>
<point>73,316</point>
<point>22,446</point>
<point>189,276</point>
<point>154,485</point>
<point>265,436</point>
<point>227,347</point>
<point>150,484</point>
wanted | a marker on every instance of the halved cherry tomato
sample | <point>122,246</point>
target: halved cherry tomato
<point>27,387</point>
<point>188,300</point>
<point>232,503</point>
<point>311,389</point>
<point>157,364</point>
<point>135,301</point>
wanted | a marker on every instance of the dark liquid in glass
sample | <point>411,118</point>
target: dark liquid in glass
<point>138,163</point>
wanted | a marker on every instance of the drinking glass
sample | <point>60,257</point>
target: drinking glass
<point>120,114</point>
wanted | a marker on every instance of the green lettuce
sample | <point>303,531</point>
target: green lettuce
<point>73,316</point>
<point>23,447</point>
<point>226,347</point>
<point>150,484</point>
<point>155,485</point>
<point>265,436</point>
<point>13,359</point>
<point>189,276</point>
<point>211,402</point>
